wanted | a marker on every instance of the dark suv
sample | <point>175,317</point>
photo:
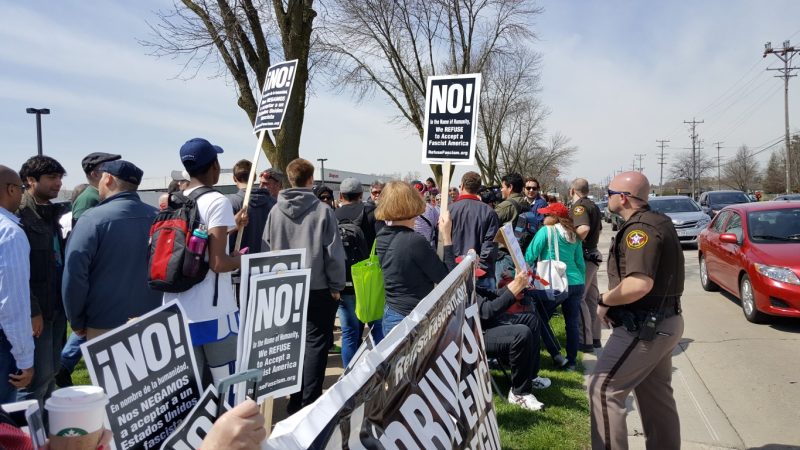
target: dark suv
<point>713,201</point>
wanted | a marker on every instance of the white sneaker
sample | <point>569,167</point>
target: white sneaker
<point>541,383</point>
<point>527,401</point>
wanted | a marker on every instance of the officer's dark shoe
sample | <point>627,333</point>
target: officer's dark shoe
<point>63,377</point>
<point>586,348</point>
<point>597,344</point>
<point>559,361</point>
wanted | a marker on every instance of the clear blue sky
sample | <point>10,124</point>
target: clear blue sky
<point>617,75</point>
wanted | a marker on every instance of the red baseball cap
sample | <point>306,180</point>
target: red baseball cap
<point>478,271</point>
<point>554,209</point>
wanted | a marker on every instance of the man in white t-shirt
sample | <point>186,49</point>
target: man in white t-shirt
<point>210,305</point>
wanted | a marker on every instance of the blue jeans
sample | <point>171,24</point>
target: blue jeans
<point>390,319</point>
<point>71,354</point>
<point>571,307</point>
<point>46,359</point>
<point>353,329</point>
<point>8,393</point>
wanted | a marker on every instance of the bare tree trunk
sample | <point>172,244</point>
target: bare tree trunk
<point>232,35</point>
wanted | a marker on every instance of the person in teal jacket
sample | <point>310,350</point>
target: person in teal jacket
<point>570,252</point>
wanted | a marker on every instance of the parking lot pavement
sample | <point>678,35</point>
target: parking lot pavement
<point>736,384</point>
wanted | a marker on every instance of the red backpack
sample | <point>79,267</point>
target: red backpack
<point>169,237</point>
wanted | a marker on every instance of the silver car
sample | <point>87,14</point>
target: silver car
<point>687,216</point>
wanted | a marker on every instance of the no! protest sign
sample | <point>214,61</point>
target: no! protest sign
<point>451,119</point>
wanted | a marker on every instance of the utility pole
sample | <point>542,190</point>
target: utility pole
<point>322,162</point>
<point>785,54</point>
<point>719,178</point>
<point>661,162</point>
<point>693,124</point>
<point>640,156</point>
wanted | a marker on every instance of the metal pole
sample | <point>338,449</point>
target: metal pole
<point>322,162</point>
<point>39,131</point>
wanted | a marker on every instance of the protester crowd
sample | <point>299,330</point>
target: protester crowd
<point>92,272</point>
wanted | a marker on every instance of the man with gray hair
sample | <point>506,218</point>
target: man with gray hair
<point>109,245</point>
<point>585,216</point>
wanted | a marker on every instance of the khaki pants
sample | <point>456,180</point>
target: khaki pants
<point>628,364</point>
<point>590,326</point>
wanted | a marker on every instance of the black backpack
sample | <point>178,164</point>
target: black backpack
<point>169,237</point>
<point>523,226</point>
<point>354,241</point>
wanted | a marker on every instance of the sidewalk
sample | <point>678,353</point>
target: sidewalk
<point>703,424</point>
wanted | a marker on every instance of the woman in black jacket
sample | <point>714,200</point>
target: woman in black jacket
<point>410,266</point>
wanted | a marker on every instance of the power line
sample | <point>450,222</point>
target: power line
<point>744,117</point>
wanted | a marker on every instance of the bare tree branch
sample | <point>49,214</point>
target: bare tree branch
<point>243,36</point>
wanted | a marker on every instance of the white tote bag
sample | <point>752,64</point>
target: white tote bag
<point>551,282</point>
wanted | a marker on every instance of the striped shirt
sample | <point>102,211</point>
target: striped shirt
<point>15,294</point>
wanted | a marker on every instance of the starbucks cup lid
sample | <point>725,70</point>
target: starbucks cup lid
<point>76,397</point>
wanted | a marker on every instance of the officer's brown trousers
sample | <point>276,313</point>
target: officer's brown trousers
<point>590,326</point>
<point>644,367</point>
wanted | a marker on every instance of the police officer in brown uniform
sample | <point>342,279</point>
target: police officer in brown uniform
<point>645,277</point>
<point>586,216</point>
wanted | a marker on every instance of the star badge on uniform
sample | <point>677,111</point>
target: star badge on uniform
<point>636,239</point>
<point>578,210</point>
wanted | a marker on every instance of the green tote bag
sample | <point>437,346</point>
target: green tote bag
<point>368,284</point>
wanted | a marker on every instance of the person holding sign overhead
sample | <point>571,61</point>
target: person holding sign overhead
<point>410,266</point>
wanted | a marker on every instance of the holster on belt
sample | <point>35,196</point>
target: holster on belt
<point>641,320</point>
<point>593,256</point>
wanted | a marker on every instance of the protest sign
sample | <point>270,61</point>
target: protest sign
<point>271,109</point>
<point>194,428</point>
<point>505,236</point>
<point>275,96</point>
<point>451,119</point>
<point>269,262</point>
<point>36,428</point>
<point>426,385</point>
<point>148,370</point>
<point>275,333</point>
<point>260,263</point>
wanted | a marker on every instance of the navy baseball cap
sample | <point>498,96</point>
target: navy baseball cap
<point>198,152</point>
<point>124,170</point>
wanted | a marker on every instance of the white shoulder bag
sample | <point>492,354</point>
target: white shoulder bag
<point>551,281</point>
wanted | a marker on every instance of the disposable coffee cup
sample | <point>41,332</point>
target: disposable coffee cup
<point>76,417</point>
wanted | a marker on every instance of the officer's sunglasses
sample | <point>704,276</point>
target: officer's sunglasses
<point>628,194</point>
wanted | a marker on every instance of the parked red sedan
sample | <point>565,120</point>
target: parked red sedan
<point>752,250</point>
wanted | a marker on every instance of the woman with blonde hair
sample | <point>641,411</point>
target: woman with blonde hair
<point>559,226</point>
<point>410,266</point>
